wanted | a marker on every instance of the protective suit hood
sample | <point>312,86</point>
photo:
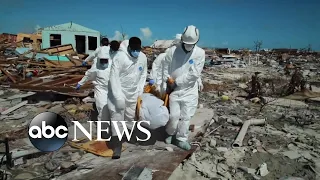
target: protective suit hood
<point>124,47</point>
<point>104,52</point>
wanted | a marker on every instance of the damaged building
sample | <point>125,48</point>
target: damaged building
<point>10,38</point>
<point>83,39</point>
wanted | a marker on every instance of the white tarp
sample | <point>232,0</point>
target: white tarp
<point>153,110</point>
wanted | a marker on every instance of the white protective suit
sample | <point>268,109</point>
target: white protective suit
<point>94,55</point>
<point>153,110</point>
<point>157,73</point>
<point>127,79</point>
<point>100,79</point>
<point>185,69</point>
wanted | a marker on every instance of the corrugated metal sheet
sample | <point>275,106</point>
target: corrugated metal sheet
<point>70,27</point>
<point>162,43</point>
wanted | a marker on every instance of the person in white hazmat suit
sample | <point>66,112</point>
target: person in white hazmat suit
<point>156,74</point>
<point>184,64</point>
<point>93,56</point>
<point>99,75</point>
<point>114,47</point>
<point>127,79</point>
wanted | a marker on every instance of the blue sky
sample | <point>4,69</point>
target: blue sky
<point>222,23</point>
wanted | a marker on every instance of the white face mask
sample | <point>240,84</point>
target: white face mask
<point>188,47</point>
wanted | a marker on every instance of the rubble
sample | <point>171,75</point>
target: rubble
<point>283,148</point>
<point>238,88</point>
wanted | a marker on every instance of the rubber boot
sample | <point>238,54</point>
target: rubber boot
<point>183,145</point>
<point>117,151</point>
<point>168,140</point>
<point>116,147</point>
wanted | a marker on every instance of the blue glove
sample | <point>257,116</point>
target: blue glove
<point>78,86</point>
<point>84,63</point>
<point>151,81</point>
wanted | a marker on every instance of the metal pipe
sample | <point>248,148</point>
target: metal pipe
<point>243,131</point>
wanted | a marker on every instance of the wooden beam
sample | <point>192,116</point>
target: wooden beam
<point>9,75</point>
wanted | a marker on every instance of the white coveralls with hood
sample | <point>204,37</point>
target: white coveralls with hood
<point>183,63</point>
<point>156,73</point>
<point>99,75</point>
<point>127,79</point>
<point>94,56</point>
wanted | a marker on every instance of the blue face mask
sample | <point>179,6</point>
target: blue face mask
<point>135,53</point>
<point>112,52</point>
<point>105,65</point>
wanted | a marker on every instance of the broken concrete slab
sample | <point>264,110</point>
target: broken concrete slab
<point>14,116</point>
<point>14,108</point>
<point>285,102</point>
<point>292,154</point>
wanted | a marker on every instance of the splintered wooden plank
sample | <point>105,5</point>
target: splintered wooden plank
<point>8,75</point>
<point>50,82</point>
<point>67,81</point>
<point>60,50</point>
<point>34,81</point>
<point>163,162</point>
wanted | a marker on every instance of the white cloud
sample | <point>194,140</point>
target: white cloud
<point>118,36</point>
<point>146,32</point>
<point>37,27</point>
<point>146,35</point>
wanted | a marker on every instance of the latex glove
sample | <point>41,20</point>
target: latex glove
<point>78,86</point>
<point>84,63</point>
<point>151,81</point>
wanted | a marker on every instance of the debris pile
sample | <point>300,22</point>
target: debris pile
<point>257,119</point>
<point>264,126</point>
<point>55,69</point>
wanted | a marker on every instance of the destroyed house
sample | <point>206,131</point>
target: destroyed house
<point>284,50</point>
<point>162,44</point>
<point>6,37</point>
<point>222,50</point>
<point>83,40</point>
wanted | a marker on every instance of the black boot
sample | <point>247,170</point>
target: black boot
<point>116,147</point>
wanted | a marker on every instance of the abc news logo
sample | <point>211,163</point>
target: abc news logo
<point>49,131</point>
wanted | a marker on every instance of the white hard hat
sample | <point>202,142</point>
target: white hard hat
<point>190,35</point>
